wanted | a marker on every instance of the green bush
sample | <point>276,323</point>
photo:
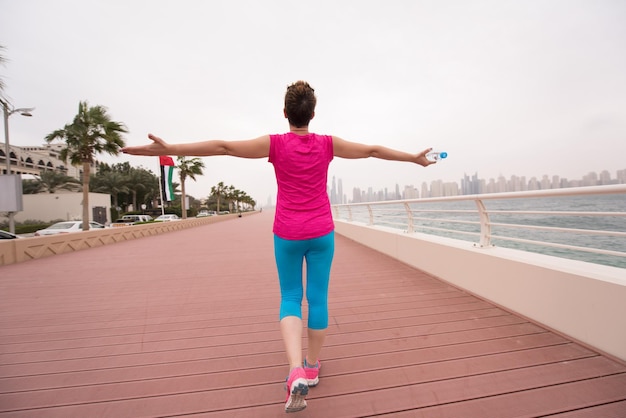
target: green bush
<point>30,228</point>
<point>114,214</point>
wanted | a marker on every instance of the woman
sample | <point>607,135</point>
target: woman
<point>303,224</point>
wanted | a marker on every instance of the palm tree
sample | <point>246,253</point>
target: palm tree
<point>30,187</point>
<point>152,191</point>
<point>137,180</point>
<point>251,202</point>
<point>219,191</point>
<point>111,182</point>
<point>188,168</point>
<point>92,132</point>
<point>50,181</point>
<point>236,195</point>
<point>2,61</point>
<point>228,195</point>
<point>246,200</point>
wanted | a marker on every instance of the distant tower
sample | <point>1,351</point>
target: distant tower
<point>333,192</point>
<point>470,185</point>
<point>339,191</point>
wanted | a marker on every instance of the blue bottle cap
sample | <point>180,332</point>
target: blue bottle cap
<point>443,154</point>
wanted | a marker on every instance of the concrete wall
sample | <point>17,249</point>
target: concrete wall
<point>66,206</point>
<point>584,301</point>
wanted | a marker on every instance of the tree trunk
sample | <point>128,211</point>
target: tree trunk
<point>86,169</point>
<point>183,210</point>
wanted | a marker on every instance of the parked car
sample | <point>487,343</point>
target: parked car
<point>167,218</point>
<point>8,235</point>
<point>203,213</point>
<point>67,227</point>
<point>131,220</point>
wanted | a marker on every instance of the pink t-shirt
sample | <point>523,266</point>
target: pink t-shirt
<point>301,167</point>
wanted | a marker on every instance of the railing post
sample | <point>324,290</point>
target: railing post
<point>369,210</point>
<point>485,224</point>
<point>349,213</point>
<point>409,215</point>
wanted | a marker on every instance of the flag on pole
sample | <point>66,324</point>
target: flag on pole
<point>167,173</point>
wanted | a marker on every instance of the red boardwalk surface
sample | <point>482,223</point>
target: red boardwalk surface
<point>185,324</point>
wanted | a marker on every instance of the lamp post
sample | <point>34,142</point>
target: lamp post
<point>7,151</point>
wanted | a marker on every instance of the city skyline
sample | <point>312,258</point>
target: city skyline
<point>470,184</point>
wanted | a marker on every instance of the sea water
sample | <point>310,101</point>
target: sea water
<point>397,218</point>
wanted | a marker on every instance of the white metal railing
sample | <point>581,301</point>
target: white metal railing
<point>552,221</point>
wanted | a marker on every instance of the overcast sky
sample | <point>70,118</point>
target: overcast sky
<point>506,87</point>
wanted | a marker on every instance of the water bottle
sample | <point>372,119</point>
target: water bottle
<point>436,155</point>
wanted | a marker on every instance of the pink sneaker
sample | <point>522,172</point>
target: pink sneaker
<point>312,373</point>
<point>297,389</point>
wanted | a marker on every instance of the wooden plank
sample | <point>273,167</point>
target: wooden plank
<point>609,410</point>
<point>373,373</point>
<point>353,332</point>
<point>578,398</point>
<point>76,340</point>
<point>129,341</point>
<point>556,393</point>
<point>335,365</point>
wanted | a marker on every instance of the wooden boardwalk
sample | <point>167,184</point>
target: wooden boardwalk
<point>186,324</point>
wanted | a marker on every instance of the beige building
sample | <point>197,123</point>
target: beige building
<point>64,206</point>
<point>48,207</point>
<point>34,160</point>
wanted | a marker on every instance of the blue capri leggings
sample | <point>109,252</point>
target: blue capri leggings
<point>290,254</point>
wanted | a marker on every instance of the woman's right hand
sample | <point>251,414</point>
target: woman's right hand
<point>157,147</point>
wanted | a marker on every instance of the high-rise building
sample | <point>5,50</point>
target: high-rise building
<point>590,179</point>
<point>340,196</point>
<point>333,193</point>
<point>410,192</point>
<point>470,185</point>
<point>605,178</point>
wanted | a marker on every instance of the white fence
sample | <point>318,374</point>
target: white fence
<point>577,298</point>
<point>592,220</point>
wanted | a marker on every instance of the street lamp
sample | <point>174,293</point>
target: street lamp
<point>7,151</point>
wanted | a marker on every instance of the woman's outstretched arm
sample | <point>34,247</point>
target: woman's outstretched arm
<point>251,148</point>
<point>347,149</point>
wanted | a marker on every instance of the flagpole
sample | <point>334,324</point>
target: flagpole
<point>161,187</point>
